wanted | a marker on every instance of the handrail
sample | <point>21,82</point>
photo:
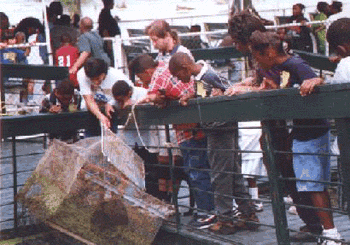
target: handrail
<point>330,101</point>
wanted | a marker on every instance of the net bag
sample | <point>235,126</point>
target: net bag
<point>76,187</point>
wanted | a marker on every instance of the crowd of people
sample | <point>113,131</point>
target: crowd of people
<point>209,152</point>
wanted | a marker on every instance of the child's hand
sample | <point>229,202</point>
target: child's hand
<point>109,110</point>
<point>268,84</point>
<point>184,99</point>
<point>55,109</point>
<point>308,86</point>
<point>216,92</point>
<point>235,90</point>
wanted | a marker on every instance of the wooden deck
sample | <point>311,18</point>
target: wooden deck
<point>265,235</point>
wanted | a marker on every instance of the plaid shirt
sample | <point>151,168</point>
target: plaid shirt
<point>162,79</point>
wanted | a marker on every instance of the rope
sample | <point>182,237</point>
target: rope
<point>136,125</point>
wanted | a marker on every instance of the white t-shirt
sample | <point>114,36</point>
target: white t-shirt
<point>342,72</point>
<point>113,75</point>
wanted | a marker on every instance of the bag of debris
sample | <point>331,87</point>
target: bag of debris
<point>77,189</point>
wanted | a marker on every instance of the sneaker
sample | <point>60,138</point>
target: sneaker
<point>333,234</point>
<point>235,212</point>
<point>293,210</point>
<point>258,206</point>
<point>288,200</point>
<point>202,221</point>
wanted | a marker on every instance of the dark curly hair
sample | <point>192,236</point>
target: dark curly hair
<point>339,32</point>
<point>242,25</point>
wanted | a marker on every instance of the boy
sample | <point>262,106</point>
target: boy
<point>163,86</point>
<point>62,99</point>
<point>309,135</point>
<point>338,37</point>
<point>225,185</point>
<point>67,55</point>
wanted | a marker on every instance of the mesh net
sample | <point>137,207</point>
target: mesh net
<point>76,188</point>
<point>122,157</point>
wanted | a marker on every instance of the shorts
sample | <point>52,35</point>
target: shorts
<point>312,167</point>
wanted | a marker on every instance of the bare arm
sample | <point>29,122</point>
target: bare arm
<point>93,107</point>
<point>80,62</point>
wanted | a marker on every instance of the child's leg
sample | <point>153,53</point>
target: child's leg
<point>194,160</point>
<point>322,200</point>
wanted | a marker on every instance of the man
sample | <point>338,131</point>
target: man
<point>96,80</point>
<point>90,44</point>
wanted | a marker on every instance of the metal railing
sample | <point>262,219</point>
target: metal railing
<point>330,101</point>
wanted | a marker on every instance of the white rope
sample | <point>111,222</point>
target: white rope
<point>136,125</point>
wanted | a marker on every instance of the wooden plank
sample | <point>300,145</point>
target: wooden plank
<point>60,229</point>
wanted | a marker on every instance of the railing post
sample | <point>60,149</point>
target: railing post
<point>14,168</point>
<point>343,131</point>
<point>173,180</point>
<point>278,206</point>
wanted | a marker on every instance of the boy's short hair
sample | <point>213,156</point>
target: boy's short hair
<point>260,41</point>
<point>121,88</point>
<point>339,32</point>
<point>179,59</point>
<point>242,25</point>
<point>141,63</point>
<point>337,5</point>
<point>66,38</point>
<point>95,67</point>
<point>322,6</point>
<point>65,87</point>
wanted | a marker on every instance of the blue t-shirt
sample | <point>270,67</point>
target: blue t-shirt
<point>299,71</point>
<point>12,56</point>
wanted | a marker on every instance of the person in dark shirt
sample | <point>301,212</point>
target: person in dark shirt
<point>62,99</point>
<point>310,136</point>
<point>108,27</point>
<point>299,36</point>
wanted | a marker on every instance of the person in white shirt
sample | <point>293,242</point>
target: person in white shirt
<point>95,81</point>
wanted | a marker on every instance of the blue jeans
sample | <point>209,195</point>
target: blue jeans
<point>199,180</point>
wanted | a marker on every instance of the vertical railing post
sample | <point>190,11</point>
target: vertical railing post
<point>173,180</point>
<point>14,168</point>
<point>278,206</point>
<point>343,132</point>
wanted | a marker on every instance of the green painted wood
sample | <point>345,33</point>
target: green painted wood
<point>317,61</point>
<point>331,101</point>
<point>43,72</point>
<point>278,207</point>
<point>46,123</point>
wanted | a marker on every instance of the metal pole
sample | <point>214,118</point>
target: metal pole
<point>278,206</point>
<point>14,168</point>
<point>173,180</point>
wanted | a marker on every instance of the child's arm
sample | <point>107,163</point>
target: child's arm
<point>308,86</point>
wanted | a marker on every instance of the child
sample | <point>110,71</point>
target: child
<point>62,99</point>
<point>268,51</point>
<point>220,136</point>
<point>67,55</point>
<point>338,36</point>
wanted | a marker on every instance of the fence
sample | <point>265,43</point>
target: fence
<point>329,102</point>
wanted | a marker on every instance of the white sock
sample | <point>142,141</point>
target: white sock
<point>254,193</point>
